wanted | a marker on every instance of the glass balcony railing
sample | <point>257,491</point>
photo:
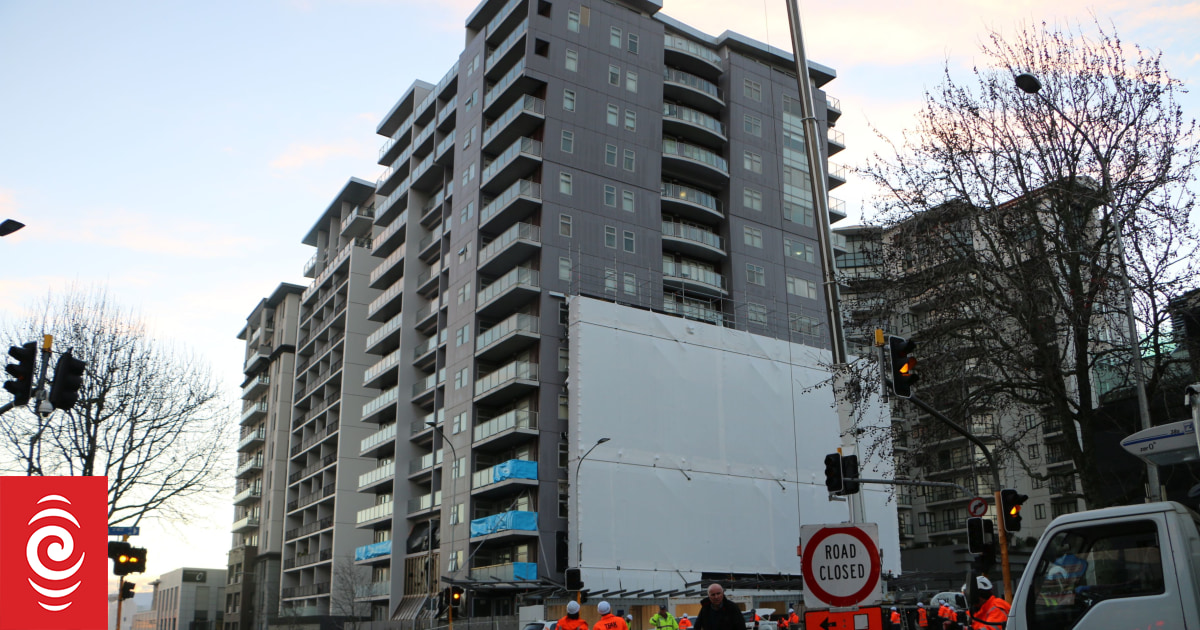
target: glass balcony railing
<point>514,323</point>
<point>672,75</point>
<point>374,512</point>
<point>690,195</point>
<point>522,188</point>
<point>527,103</point>
<point>504,82</point>
<point>696,274</point>
<point>379,402</point>
<point>526,370</point>
<point>427,461</point>
<point>692,48</point>
<point>527,146</point>
<point>515,419</point>
<point>694,117</point>
<point>424,502</point>
<point>390,327</point>
<point>671,146</point>
<point>519,231</point>
<point>504,46</point>
<point>382,365</point>
<point>379,474</point>
<point>692,233</point>
<point>386,433</point>
<point>518,275</point>
<point>503,13</point>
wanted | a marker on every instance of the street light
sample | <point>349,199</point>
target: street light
<point>9,226</point>
<point>453,493</point>
<point>575,494</point>
<point>1030,84</point>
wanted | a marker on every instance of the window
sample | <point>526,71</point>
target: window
<point>627,201</point>
<point>632,44</point>
<point>568,100</point>
<point>464,292</point>
<point>572,60</point>
<point>752,162</point>
<point>565,185</point>
<point>752,199</point>
<point>585,16</point>
<point>468,174</point>
<point>614,75</point>
<point>752,125</point>
<point>541,47</point>
<point>610,195</point>
<point>613,113</point>
<point>1039,511</point>
<point>1033,451</point>
<point>463,335</point>
<point>470,102</point>
<point>563,499</point>
<point>752,90</point>
<point>459,468</point>
<point>801,287</point>
<point>629,159</point>
<point>564,225</point>
<point>797,250</point>
<point>614,37</point>
<point>610,154</point>
<point>466,213</point>
<point>610,237</point>
<point>573,21</point>
<point>804,324</point>
<point>564,359</point>
<point>474,65</point>
<point>568,141</point>
<point>564,269</point>
<point>630,284</point>
<point>629,241</point>
<point>630,120</point>
<point>756,313</point>
<point>610,280</point>
<point>752,236</point>
<point>459,423</point>
<point>468,137</point>
<point>462,378</point>
<point>756,274</point>
<point>797,213</point>
<point>455,560</point>
<point>631,81</point>
<point>564,403</point>
<point>1030,422</point>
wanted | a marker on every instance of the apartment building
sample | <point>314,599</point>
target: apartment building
<point>189,599</point>
<point>252,592</point>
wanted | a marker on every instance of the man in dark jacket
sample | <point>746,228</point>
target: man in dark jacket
<point>718,614</point>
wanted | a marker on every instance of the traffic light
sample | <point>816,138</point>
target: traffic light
<point>849,471</point>
<point>127,590</point>
<point>68,377</point>
<point>981,540</point>
<point>833,473</point>
<point>903,366</point>
<point>21,385</point>
<point>574,580</point>
<point>457,596</point>
<point>126,558</point>
<point>1011,502</point>
<point>975,534</point>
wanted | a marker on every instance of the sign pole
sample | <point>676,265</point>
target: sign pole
<point>1003,536</point>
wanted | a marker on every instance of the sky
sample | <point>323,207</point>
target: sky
<point>177,152</point>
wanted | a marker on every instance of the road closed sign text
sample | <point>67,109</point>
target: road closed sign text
<point>840,564</point>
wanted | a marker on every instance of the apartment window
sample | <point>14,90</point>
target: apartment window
<point>610,195</point>
<point>614,75</point>
<point>755,274</point>
<point>751,199</point>
<point>466,212</point>
<point>568,100</point>
<point>627,201</point>
<point>568,141</point>
<point>614,113</point>
<point>614,37</point>
<point>541,47</point>
<point>1033,451</point>
<point>564,403</point>
<point>462,378</point>
<point>470,102</point>
<point>801,287</point>
<point>631,79</point>
<point>752,162</point>
<point>585,16</point>
<point>752,90</point>
<point>632,43</point>
<point>752,125</point>
<point>630,120</point>
<point>797,213</point>
<point>573,21</point>
<point>458,513</point>
<point>473,66</point>
<point>464,253</point>
<point>459,423</point>
<point>468,137</point>
<point>464,292</point>
<point>463,335</point>
<point>565,185</point>
<point>563,499</point>
<point>1039,511</point>
<point>564,225</point>
<point>629,159</point>
<point>804,324</point>
<point>563,359</point>
<point>629,241</point>
<point>459,468</point>
<point>630,284</point>
<point>1030,422</point>
<point>756,313</point>
<point>752,236</point>
<point>455,561</point>
<point>798,250</point>
<point>610,154</point>
<point>610,280</point>
<point>468,174</point>
<point>610,237</point>
<point>572,60</point>
<point>564,269</point>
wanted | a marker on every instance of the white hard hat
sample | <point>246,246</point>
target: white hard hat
<point>920,605</point>
<point>893,608</point>
<point>603,608</point>
<point>983,583</point>
<point>572,608</point>
<point>685,615</point>
<point>791,610</point>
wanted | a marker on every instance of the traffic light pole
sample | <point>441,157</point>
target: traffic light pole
<point>120,599</point>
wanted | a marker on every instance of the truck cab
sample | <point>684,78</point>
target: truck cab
<point>1135,566</point>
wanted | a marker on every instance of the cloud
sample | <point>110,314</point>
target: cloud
<point>158,234</point>
<point>300,155</point>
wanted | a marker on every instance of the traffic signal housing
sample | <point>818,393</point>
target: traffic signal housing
<point>903,366</point>
<point>975,534</point>
<point>833,473</point>
<point>457,596</point>
<point>574,579</point>
<point>21,385</point>
<point>126,558</point>
<point>68,377</point>
<point>127,589</point>
<point>849,471</point>
<point>1010,505</point>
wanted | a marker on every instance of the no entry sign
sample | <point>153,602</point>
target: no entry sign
<point>840,564</point>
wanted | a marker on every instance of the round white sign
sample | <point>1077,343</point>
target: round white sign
<point>841,565</point>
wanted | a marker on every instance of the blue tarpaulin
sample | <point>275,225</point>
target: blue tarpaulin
<point>525,571</point>
<point>366,552</point>
<point>504,521</point>
<point>514,469</point>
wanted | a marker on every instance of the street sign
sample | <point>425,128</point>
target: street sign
<point>977,507</point>
<point>114,530</point>
<point>840,564</point>
<point>863,619</point>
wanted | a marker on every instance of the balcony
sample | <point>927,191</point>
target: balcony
<point>423,389</point>
<point>507,383</point>
<point>507,337</point>
<point>313,266</point>
<point>426,463</point>
<point>312,469</point>
<point>250,465</point>
<point>245,524</point>
<point>250,438</point>
<point>394,177</point>
<point>444,152</point>
<point>446,118</point>
<point>506,293</point>
<point>429,281</point>
<point>372,591</point>
<point>833,108</point>
<point>375,513</point>
<point>509,572</point>
<point>693,163</point>
<point>358,222</point>
<point>513,85</point>
<point>303,559</point>
<point>692,124</point>
<point>690,308</point>
<point>515,203</point>
<point>377,408</point>
<point>397,142</point>
<point>312,497</point>
<point>386,472</point>
<point>386,338</point>
<point>522,119</point>
<point>425,425</point>
<point>691,56</point>
<point>506,430</point>
<point>424,503</point>
<point>373,551</point>
<point>520,160</point>
<point>430,247</point>
<point>309,528</point>
<point>502,55</point>
<point>504,526</point>
<point>392,205</point>
<point>692,241</point>
<point>690,203</point>
<point>692,90</point>
<point>385,436</point>
<point>514,245</point>
<point>384,368</point>
<point>837,175</point>
<point>387,304</point>
<point>253,412</point>
<point>389,270</point>
<point>256,357</point>
<point>256,385</point>
<point>425,352</point>
<point>837,141</point>
<point>694,279</point>
<point>426,175</point>
<point>427,315</point>
<point>310,590</point>
<point>391,237</point>
<point>247,495</point>
<point>947,526</point>
<point>317,437</point>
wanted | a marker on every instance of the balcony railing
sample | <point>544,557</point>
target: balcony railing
<point>518,275</point>
<point>504,46</point>
<point>390,327</point>
<point>509,572</point>
<point>504,82</point>
<point>388,432</point>
<point>690,195</point>
<point>503,13</point>
<point>379,402</point>
<point>381,366</point>
<point>374,512</point>
<point>309,528</point>
<point>526,104</point>
<point>692,48</point>
<point>519,231</point>
<point>671,146</point>
<point>516,370</point>
<point>522,188</point>
<point>692,233</point>
<point>378,474</point>
<point>672,75</point>
<point>372,590</point>
<point>424,502</point>
<point>427,461</point>
<point>695,274</point>
<point>513,323</point>
<point>693,117</point>
<point>523,145</point>
<point>515,419</point>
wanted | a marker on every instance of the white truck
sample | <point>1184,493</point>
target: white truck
<point>1135,566</point>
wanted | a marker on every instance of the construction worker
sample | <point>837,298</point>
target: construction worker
<point>664,620</point>
<point>608,621</point>
<point>895,618</point>
<point>950,618</point>
<point>783,623</point>
<point>993,611</point>
<point>572,620</point>
<point>922,616</point>
<point>793,618</point>
<point>684,622</point>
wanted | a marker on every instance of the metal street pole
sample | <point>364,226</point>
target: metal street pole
<point>574,492</point>
<point>453,508</point>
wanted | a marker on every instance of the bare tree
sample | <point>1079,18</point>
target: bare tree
<point>351,583</point>
<point>149,418</point>
<point>1005,219</point>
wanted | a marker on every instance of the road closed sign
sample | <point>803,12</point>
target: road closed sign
<point>840,564</point>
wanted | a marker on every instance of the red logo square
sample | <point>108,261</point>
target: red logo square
<point>54,553</point>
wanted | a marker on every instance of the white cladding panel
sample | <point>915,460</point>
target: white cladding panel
<point>716,458</point>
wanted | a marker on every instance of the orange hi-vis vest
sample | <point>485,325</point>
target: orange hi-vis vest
<point>566,623</point>
<point>794,619</point>
<point>610,622</point>
<point>685,623</point>
<point>895,616</point>
<point>922,618</point>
